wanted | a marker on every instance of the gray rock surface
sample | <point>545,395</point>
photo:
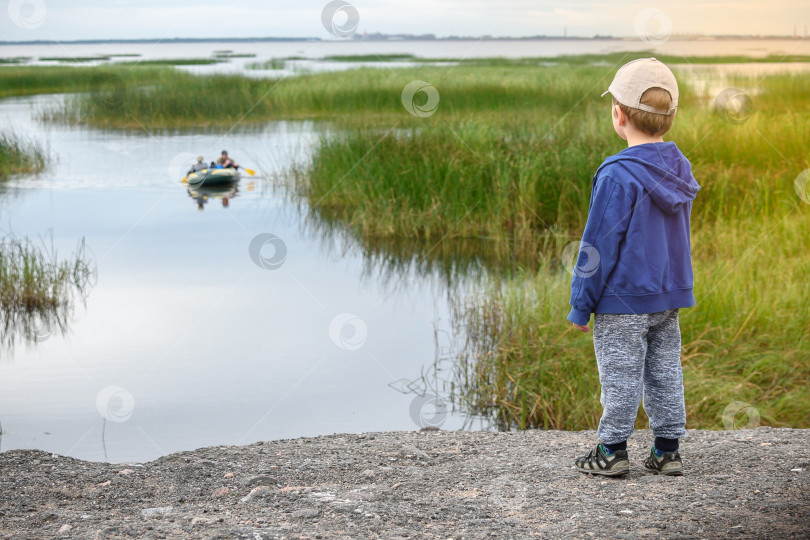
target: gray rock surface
<point>429,484</point>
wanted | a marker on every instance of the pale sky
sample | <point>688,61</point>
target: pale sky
<point>25,20</point>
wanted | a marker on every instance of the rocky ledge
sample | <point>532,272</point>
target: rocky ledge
<point>426,484</point>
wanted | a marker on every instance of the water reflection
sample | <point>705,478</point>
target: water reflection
<point>435,391</point>
<point>224,193</point>
<point>397,263</point>
<point>39,292</point>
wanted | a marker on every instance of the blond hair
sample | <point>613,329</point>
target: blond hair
<point>651,123</point>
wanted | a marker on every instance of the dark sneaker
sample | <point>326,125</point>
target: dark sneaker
<point>599,461</point>
<point>667,463</point>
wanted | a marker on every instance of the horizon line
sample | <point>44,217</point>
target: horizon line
<point>398,37</point>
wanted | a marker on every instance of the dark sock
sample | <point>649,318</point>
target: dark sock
<point>616,446</point>
<point>666,445</point>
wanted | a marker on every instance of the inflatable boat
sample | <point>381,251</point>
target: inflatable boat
<point>213,177</point>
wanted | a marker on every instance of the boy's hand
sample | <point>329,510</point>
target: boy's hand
<point>582,328</point>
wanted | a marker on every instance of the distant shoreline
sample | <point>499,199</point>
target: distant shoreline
<point>384,38</point>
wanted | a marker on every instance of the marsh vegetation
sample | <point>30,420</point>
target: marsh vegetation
<point>18,155</point>
<point>501,171</point>
<point>39,289</point>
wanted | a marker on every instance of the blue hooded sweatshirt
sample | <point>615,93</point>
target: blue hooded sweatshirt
<point>635,255</point>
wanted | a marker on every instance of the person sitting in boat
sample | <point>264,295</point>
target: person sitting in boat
<point>200,165</point>
<point>226,162</point>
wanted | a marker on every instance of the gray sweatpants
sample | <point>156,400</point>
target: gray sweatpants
<point>639,355</point>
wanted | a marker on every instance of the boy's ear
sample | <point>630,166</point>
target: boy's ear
<point>618,113</point>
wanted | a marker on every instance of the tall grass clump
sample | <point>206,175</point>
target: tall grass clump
<point>75,59</point>
<point>15,60</point>
<point>480,181</point>
<point>30,80</point>
<point>156,96</point>
<point>20,156</point>
<point>175,61</point>
<point>31,278</point>
<point>37,289</point>
<point>363,97</point>
<point>370,58</point>
<point>519,365</point>
<point>523,365</point>
<point>272,63</point>
<point>509,176</point>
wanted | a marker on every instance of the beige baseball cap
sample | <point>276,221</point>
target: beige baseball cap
<point>634,78</point>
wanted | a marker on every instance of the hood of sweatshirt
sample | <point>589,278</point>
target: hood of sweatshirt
<point>663,171</point>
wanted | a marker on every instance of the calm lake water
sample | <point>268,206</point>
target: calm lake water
<point>184,340</point>
<point>312,51</point>
<point>425,49</point>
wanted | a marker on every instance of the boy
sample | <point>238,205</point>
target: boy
<point>634,272</point>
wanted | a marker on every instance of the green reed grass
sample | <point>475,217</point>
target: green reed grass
<point>230,54</point>
<point>15,60</point>
<point>18,155</point>
<point>370,58</point>
<point>30,80</point>
<point>74,59</point>
<point>176,61</point>
<point>38,288</point>
<point>32,278</point>
<point>171,99</point>
<point>523,365</point>
<point>509,176</point>
<point>474,180</point>
<point>272,63</point>
<point>149,62</point>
